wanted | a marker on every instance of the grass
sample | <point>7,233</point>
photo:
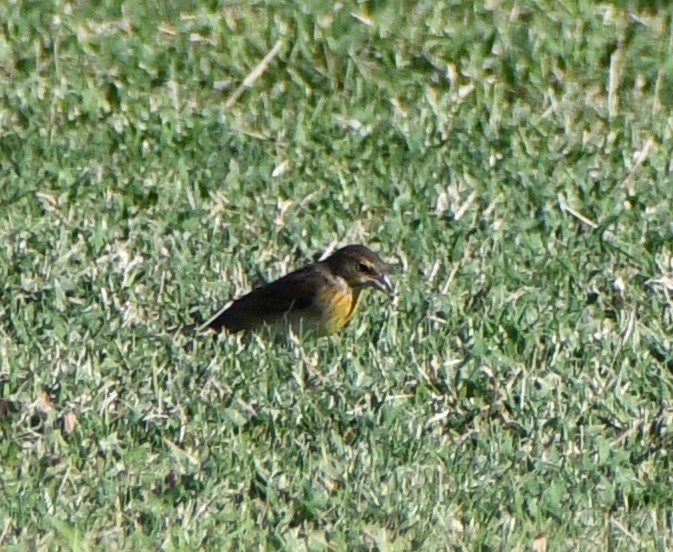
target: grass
<point>517,393</point>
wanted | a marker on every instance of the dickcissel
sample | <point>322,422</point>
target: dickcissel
<point>320,298</point>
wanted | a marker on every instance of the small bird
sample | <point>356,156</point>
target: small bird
<point>320,298</point>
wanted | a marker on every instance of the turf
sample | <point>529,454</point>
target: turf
<point>156,161</point>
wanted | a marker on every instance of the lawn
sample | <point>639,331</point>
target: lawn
<point>158,159</point>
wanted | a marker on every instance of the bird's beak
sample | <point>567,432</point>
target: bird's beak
<point>384,284</point>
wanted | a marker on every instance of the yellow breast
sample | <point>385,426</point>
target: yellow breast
<point>333,306</point>
<point>338,306</point>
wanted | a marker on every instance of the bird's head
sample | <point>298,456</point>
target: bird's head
<point>361,268</point>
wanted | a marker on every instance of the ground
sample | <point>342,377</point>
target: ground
<point>158,159</point>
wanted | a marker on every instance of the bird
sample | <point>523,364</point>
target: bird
<point>319,299</point>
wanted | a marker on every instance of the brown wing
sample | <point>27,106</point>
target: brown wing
<point>269,303</point>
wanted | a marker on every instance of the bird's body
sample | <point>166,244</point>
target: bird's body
<point>320,298</point>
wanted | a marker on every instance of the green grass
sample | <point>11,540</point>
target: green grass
<point>514,155</point>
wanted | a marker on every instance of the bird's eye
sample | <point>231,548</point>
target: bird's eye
<point>365,269</point>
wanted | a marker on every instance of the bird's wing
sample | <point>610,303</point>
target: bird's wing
<point>268,303</point>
